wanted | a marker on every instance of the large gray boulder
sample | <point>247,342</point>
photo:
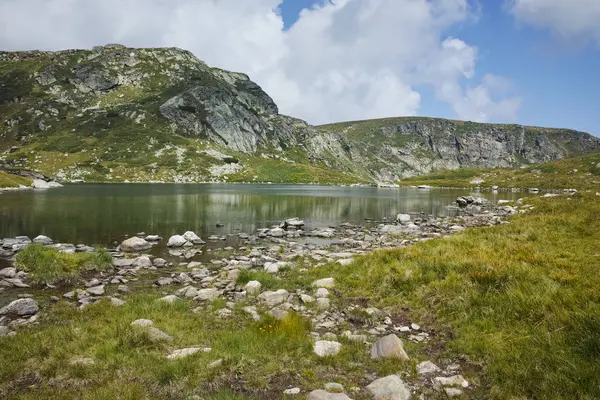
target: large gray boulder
<point>389,347</point>
<point>21,307</point>
<point>389,388</point>
<point>176,241</point>
<point>134,244</point>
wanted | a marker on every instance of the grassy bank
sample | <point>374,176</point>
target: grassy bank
<point>522,301</point>
<point>13,181</point>
<point>47,265</point>
<point>517,305</point>
<point>581,173</point>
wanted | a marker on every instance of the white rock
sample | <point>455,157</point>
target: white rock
<point>192,238</point>
<point>253,288</point>
<point>276,232</point>
<point>323,303</point>
<point>41,239</point>
<point>327,283</point>
<point>176,241</point>
<point>453,381</point>
<point>321,394</point>
<point>403,219</point>
<point>345,261</point>
<point>306,299</point>
<point>134,244</point>
<point>187,352</point>
<point>322,293</point>
<point>426,368</point>
<point>209,294</point>
<point>292,391</point>
<point>142,322</point>
<point>96,290</point>
<point>324,348</point>
<point>271,298</point>
<point>453,392</point>
<point>391,387</point>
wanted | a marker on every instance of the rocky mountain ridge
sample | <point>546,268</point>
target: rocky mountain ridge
<point>114,113</point>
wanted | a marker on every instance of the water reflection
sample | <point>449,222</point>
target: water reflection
<point>101,214</point>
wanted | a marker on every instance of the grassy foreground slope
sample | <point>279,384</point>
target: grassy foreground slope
<point>580,173</point>
<point>518,304</point>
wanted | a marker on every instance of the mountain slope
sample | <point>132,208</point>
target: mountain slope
<point>114,113</point>
<point>403,147</point>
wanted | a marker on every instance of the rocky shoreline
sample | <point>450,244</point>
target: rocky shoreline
<point>274,250</point>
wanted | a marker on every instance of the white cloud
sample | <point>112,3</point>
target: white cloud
<point>342,60</point>
<point>567,18</point>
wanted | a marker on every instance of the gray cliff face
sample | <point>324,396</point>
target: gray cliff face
<point>117,108</point>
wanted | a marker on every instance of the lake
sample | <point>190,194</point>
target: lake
<point>102,214</point>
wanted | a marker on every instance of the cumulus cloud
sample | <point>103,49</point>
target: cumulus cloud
<point>342,59</point>
<point>568,18</point>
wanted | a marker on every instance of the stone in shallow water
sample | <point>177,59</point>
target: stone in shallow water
<point>389,388</point>
<point>134,244</point>
<point>41,239</point>
<point>176,241</point>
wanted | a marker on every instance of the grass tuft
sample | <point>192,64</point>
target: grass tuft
<point>45,264</point>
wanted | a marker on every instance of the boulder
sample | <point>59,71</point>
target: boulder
<point>21,307</point>
<point>391,387</point>
<point>272,299</point>
<point>176,241</point>
<point>276,232</point>
<point>389,347</point>
<point>134,244</point>
<point>325,348</point>
<point>321,394</point>
<point>253,288</point>
<point>96,290</point>
<point>403,219</point>
<point>209,294</point>
<point>193,238</point>
<point>41,239</point>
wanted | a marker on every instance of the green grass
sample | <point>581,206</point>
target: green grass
<point>48,265</point>
<point>581,173</point>
<point>267,280</point>
<point>13,181</point>
<point>522,301</point>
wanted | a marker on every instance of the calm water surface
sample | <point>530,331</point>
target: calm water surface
<point>104,213</point>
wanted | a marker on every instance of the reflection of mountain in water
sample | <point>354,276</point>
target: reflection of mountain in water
<point>103,213</point>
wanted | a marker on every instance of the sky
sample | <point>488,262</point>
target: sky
<point>532,62</point>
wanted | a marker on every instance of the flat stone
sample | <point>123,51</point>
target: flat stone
<point>325,348</point>
<point>391,387</point>
<point>272,299</point>
<point>291,392</point>
<point>327,283</point>
<point>321,394</point>
<point>389,347</point>
<point>116,302</point>
<point>452,381</point>
<point>96,290</point>
<point>209,294</point>
<point>92,283</point>
<point>134,244</point>
<point>8,272</point>
<point>181,353</point>
<point>20,308</point>
<point>426,368</point>
<point>453,392</point>
<point>164,281</point>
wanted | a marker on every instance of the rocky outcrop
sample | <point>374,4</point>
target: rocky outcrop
<point>169,116</point>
